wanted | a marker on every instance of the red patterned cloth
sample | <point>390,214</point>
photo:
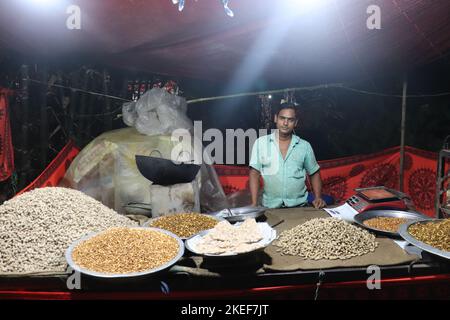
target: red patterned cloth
<point>341,176</point>
<point>6,147</point>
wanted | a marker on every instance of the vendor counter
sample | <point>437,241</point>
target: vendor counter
<point>264,274</point>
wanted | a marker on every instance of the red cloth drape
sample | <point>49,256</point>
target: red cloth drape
<point>340,176</point>
<point>56,170</point>
<point>6,147</point>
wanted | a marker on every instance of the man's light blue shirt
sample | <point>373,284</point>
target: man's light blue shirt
<point>284,179</point>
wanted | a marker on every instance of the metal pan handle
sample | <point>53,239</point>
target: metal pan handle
<point>159,152</point>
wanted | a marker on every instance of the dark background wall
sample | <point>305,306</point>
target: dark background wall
<point>335,121</point>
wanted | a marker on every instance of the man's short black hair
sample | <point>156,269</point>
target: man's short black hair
<point>287,105</point>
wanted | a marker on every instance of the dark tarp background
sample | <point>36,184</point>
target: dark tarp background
<point>265,46</point>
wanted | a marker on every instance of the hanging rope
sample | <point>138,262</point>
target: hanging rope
<point>249,94</point>
<point>78,90</point>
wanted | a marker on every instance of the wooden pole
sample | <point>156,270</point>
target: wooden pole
<point>402,138</point>
<point>81,109</point>
<point>90,121</point>
<point>64,114</point>
<point>44,118</point>
<point>24,108</point>
<point>65,105</point>
<point>107,120</point>
<point>71,107</point>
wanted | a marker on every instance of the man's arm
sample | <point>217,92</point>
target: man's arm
<point>316,183</point>
<point>254,176</point>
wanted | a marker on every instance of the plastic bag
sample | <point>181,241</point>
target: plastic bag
<point>129,113</point>
<point>157,112</point>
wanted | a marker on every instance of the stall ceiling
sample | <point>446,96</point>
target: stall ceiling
<point>322,40</point>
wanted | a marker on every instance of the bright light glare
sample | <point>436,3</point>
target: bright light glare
<point>43,2</point>
<point>270,96</point>
<point>42,8</point>
<point>303,5</point>
<point>283,18</point>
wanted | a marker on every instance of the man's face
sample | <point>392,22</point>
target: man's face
<point>286,121</point>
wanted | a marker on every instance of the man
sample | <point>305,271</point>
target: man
<point>283,160</point>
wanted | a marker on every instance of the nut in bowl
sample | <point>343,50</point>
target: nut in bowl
<point>432,236</point>
<point>226,240</point>
<point>184,225</point>
<point>433,233</point>
<point>387,222</point>
<point>125,252</point>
